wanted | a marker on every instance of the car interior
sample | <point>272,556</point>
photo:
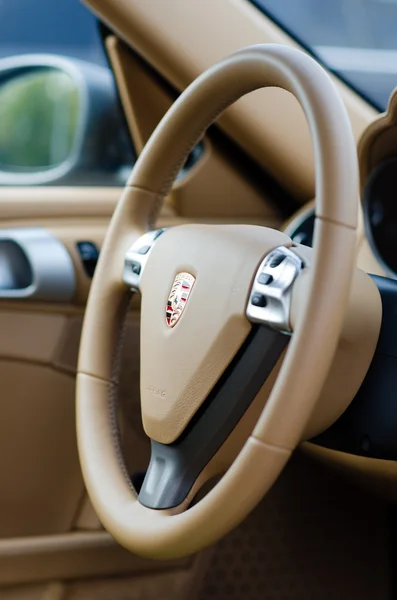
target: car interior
<point>198,292</point>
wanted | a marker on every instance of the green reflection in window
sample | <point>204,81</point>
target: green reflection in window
<point>39,113</point>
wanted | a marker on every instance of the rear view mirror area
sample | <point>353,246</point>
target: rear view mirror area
<point>40,113</point>
<point>59,123</point>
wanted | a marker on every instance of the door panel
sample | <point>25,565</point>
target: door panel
<point>39,468</point>
<point>42,498</point>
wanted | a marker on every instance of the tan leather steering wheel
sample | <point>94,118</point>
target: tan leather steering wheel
<point>215,323</point>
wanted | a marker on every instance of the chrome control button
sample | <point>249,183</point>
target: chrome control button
<point>270,297</point>
<point>136,258</point>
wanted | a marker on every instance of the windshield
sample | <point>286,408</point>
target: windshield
<point>356,39</point>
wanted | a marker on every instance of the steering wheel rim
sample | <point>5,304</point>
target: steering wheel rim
<point>176,532</point>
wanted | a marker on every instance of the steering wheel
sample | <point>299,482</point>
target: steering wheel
<point>226,386</point>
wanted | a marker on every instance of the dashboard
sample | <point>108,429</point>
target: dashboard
<point>367,428</point>
<point>379,215</point>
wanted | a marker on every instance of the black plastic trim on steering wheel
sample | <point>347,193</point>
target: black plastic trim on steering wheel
<point>174,468</point>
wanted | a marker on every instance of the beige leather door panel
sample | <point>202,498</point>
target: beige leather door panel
<point>48,529</point>
<point>39,466</point>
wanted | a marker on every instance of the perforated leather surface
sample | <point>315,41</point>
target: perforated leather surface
<point>314,537</point>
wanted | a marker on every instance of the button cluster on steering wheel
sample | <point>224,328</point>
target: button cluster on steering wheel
<point>270,297</point>
<point>136,258</point>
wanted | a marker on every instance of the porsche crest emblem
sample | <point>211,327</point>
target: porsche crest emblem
<point>179,295</point>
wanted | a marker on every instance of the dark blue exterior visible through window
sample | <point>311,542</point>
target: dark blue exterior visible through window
<point>357,39</point>
<point>63,27</point>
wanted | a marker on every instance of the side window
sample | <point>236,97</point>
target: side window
<point>60,121</point>
<point>356,39</point>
